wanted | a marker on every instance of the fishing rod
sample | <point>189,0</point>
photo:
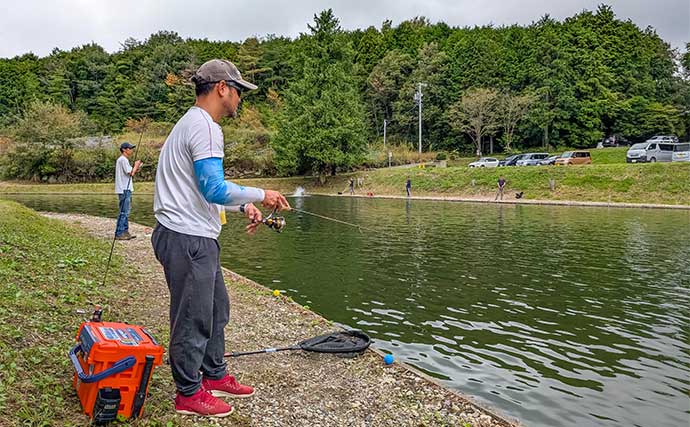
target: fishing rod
<point>112,246</point>
<point>278,223</point>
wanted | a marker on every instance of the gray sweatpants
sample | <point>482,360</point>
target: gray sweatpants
<point>199,306</point>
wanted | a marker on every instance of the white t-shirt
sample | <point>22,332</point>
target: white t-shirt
<point>177,202</point>
<point>123,180</point>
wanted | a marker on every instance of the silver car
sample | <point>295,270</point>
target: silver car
<point>532,159</point>
<point>548,161</point>
<point>485,162</point>
<point>681,152</point>
<point>664,138</point>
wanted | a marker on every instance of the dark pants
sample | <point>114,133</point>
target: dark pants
<point>199,306</point>
<point>125,199</point>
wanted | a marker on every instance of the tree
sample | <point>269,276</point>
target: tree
<point>49,125</point>
<point>385,81</point>
<point>476,114</point>
<point>18,85</point>
<point>322,126</point>
<point>248,59</point>
<point>44,137</point>
<point>431,69</point>
<point>513,108</point>
<point>641,117</point>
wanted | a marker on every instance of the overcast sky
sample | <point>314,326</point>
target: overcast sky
<point>38,26</point>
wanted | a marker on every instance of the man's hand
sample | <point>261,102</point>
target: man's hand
<point>254,215</point>
<point>275,200</point>
<point>135,169</point>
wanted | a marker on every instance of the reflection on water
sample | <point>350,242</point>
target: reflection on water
<point>558,316</point>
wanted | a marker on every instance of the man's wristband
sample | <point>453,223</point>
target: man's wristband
<point>242,208</point>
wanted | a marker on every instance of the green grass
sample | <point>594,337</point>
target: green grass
<point>48,271</point>
<point>601,156</point>
<point>51,276</point>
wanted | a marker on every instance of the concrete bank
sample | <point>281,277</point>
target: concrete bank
<point>293,388</point>
<point>517,201</point>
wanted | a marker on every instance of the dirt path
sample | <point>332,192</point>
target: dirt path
<point>293,388</point>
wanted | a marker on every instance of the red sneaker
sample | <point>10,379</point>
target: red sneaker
<point>203,404</point>
<point>227,387</point>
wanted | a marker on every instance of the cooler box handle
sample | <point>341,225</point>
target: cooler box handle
<point>118,367</point>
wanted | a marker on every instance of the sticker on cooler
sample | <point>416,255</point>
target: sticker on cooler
<point>125,336</point>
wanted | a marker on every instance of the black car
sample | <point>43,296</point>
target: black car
<point>511,160</point>
<point>615,141</point>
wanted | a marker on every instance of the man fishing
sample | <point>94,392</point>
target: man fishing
<point>124,173</point>
<point>190,197</point>
<point>501,187</point>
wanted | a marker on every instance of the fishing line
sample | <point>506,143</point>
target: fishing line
<point>332,219</point>
<point>112,246</point>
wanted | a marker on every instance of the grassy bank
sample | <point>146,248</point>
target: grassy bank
<point>48,274</point>
<point>647,183</point>
<point>604,181</point>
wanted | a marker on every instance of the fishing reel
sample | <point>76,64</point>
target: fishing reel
<point>275,222</point>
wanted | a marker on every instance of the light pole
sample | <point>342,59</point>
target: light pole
<point>418,98</point>
<point>384,134</point>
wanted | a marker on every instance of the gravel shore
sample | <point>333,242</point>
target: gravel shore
<point>293,388</point>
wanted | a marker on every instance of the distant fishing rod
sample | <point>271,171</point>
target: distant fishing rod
<point>112,246</point>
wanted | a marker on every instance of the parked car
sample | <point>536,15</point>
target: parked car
<point>510,160</point>
<point>485,162</point>
<point>548,161</point>
<point>615,141</point>
<point>531,159</point>
<point>650,151</point>
<point>681,152</point>
<point>664,139</point>
<point>574,158</point>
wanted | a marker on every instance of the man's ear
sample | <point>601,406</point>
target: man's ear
<point>220,87</point>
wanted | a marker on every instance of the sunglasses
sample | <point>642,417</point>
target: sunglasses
<point>237,87</point>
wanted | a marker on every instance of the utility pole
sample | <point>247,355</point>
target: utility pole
<point>384,135</point>
<point>418,98</point>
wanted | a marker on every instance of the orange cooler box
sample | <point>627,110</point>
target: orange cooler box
<point>113,363</point>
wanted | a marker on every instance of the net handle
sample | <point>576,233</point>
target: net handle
<point>267,350</point>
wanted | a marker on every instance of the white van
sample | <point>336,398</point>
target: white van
<point>650,151</point>
<point>681,152</point>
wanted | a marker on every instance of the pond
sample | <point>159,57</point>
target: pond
<point>558,316</point>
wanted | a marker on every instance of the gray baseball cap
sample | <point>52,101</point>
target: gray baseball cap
<point>216,70</point>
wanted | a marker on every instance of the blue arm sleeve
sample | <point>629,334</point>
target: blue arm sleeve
<point>210,182</point>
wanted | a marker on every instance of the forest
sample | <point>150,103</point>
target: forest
<point>325,97</point>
